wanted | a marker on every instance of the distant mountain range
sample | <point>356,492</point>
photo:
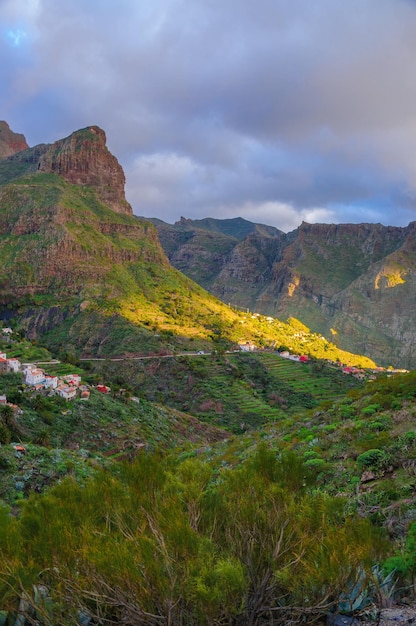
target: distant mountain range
<point>354,283</point>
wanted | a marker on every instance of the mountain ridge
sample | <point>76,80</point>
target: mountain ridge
<point>353,282</point>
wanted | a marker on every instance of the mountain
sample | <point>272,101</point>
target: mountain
<point>10,142</point>
<point>352,282</point>
<point>224,256</point>
<point>65,225</point>
<point>77,264</point>
<point>81,272</point>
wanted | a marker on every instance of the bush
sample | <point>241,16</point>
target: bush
<point>317,463</point>
<point>410,437</point>
<point>373,459</point>
<point>371,409</point>
<point>346,412</point>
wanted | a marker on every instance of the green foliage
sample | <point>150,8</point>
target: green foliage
<point>5,435</point>
<point>403,565</point>
<point>373,459</point>
<point>185,542</point>
<point>318,464</point>
<point>370,409</point>
<point>297,325</point>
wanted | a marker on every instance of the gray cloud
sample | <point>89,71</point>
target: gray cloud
<point>271,110</point>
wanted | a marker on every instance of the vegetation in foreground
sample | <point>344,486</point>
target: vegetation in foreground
<point>164,542</point>
<point>124,509</point>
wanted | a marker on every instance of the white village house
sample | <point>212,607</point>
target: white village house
<point>33,375</point>
<point>50,382</point>
<point>67,392</point>
<point>14,365</point>
<point>9,365</point>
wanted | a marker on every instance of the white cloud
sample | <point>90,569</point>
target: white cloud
<point>158,179</point>
<point>284,216</point>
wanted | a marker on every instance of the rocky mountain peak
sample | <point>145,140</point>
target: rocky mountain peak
<point>83,159</point>
<point>10,142</point>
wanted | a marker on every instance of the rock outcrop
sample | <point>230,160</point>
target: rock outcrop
<point>73,234</point>
<point>10,142</point>
<point>83,159</point>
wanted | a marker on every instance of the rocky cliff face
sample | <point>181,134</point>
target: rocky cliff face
<point>10,142</point>
<point>354,283</point>
<point>83,159</point>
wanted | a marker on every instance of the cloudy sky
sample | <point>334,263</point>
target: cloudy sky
<point>277,111</point>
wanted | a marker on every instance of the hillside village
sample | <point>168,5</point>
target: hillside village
<point>68,386</point>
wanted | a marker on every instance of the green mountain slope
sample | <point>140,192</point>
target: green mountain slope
<point>78,268</point>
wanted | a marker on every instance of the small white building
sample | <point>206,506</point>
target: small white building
<point>67,392</point>
<point>51,382</point>
<point>13,365</point>
<point>247,346</point>
<point>3,399</point>
<point>34,376</point>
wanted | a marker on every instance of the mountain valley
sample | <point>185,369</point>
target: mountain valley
<point>237,456</point>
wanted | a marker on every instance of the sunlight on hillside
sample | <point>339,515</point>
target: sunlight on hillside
<point>389,278</point>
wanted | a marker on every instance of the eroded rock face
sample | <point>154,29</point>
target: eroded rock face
<point>83,159</point>
<point>63,241</point>
<point>10,142</point>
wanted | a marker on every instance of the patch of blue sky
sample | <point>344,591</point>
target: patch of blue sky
<point>15,36</point>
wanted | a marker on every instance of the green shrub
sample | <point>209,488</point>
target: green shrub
<point>410,437</point>
<point>371,409</point>
<point>310,454</point>
<point>373,459</point>
<point>346,412</point>
<point>403,565</point>
<point>317,463</point>
<point>382,423</point>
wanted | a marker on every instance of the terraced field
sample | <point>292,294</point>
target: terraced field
<point>323,382</point>
<point>246,390</point>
